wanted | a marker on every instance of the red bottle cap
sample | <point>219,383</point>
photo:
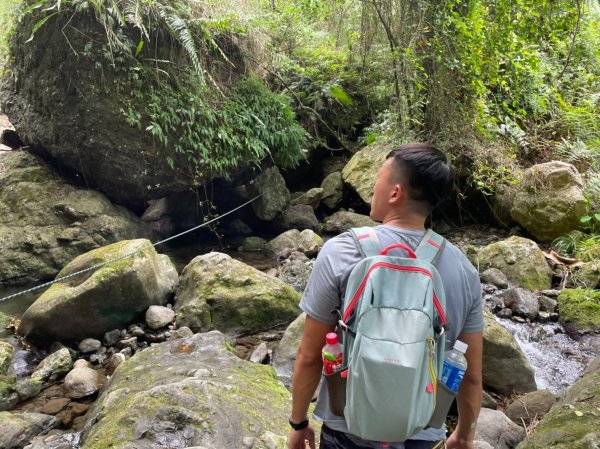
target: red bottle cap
<point>331,338</point>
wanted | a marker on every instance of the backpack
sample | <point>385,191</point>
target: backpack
<point>393,332</point>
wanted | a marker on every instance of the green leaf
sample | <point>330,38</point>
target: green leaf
<point>139,47</point>
<point>341,96</point>
<point>38,25</point>
<point>585,219</point>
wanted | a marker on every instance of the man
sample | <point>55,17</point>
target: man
<point>414,179</point>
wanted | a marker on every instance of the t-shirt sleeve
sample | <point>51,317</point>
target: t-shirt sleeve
<point>474,322</point>
<point>323,292</point>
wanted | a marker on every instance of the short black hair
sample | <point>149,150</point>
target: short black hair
<point>427,171</point>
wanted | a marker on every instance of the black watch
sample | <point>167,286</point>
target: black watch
<point>298,426</point>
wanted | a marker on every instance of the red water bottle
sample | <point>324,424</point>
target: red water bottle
<point>332,354</point>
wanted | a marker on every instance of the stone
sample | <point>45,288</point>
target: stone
<point>494,276</point>
<point>53,406</point>
<point>549,200</point>
<point>342,221</point>
<point>275,195</point>
<point>505,314</point>
<point>361,170</point>
<point>182,332</point>
<point>108,297</point>
<point>296,272</point>
<point>253,244</point>
<point>530,406</point>
<point>573,421</point>
<point>83,382</point>
<point>130,343</point>
<point>333,190</point>
<point>506,370</point>
<point>520,260</point>
<point>497,430</point>
<point>158,317</point>
<point>160,397</point>
<point>17,429</point>
<point>8,392</point>
<point>82,363</point>
<point>260,354</point>
<point>522,302</point>
<point>311,198</point>
<point>28,388</point>
<point>89,345</point>
<point>306,242</point>
<point>586,276</point>
<point>579,311</point>
<point>218,292</point>
<point>300,216</point>
<point>548,304</point>
<point>54,366</point>
<point>7,351</point>
<point>112,337</point>
<point>488,401</point>
<point>284,356</point>
<point>113,362</point>
<point>5,323</point>
<point>39,209</point>
<point>238,227</point>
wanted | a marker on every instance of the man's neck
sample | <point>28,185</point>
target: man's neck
<point>411,221</point>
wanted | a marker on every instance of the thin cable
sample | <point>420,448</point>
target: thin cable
<point>100,265</point>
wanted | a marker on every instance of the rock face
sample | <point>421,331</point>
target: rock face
<point>218,292</point>
<point>190,393</point>
<point>549,201</point>
<point>520,260</point>
<point>505,367</point>
<point>574,422</point>
<point>361,171</point>
<point>496,429</point>
<point>17,429</point>
<point>79,119</point>
<point>285,355</point>
<point>91,304</point>
<point>275,194</point>
<point>46,222</point>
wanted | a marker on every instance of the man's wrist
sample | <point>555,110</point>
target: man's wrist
<point>298,425</point>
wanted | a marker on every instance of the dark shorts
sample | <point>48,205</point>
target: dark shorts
<point>333,439</point>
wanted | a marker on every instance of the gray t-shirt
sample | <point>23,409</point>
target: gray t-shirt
<point>327,286</point>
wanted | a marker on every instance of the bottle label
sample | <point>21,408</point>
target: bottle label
<point>331,363</point>
<point>452,376</point>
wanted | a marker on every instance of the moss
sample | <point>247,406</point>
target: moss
<point>579,309</point>
<point>8,385</point>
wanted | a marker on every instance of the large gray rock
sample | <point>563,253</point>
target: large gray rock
<point>495,428</point>
<point>549,200</point>
<point>275,194</point>
<point>333,190</point>
<point>522,302</point>
<point>343,220</point>
<point>505,367</point>
<point>83,381</point>
<point>190,393</point>
<point>55,366</point>
<point>46,222</point>
<point>311,197</point>
<point>295,271</point>
<point>306,242</point>
<point>93,303</point>
<point>573,422</point>
<point>285,354</point>
<point>530,406</point>
<point>300,216</point>
<point>218,292</point>
<point>17,429</point>
<point>520,260</point>
<point>361,171</point>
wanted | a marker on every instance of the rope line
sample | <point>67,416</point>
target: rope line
<point>100,265</point>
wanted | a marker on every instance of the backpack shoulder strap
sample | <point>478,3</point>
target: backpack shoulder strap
<point>430,246</point>
<point>366,241</point>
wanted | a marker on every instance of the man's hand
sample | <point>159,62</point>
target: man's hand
<point>454,442</point>
<point>297,438</point>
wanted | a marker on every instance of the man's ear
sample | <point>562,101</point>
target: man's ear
<point>397,194</point>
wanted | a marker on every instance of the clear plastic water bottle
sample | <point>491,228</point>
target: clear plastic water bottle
<point>332,354</point>
<point>455,365</point>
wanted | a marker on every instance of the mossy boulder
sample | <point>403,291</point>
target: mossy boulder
<point>549,201</point>
<point>6,354</point>
<point>586,276</point>
<point>574,422</point>
<point>506,370</point>
<point>285,354</point>
<point>8,392</point>
<point>17,429</point>
<point>342,221</point>
<point>333,190</point>
<point>109,297</point>
<point>45,222</point>
<point>275,196</point>
<point>218,292</point>
<point>311,197</point>
<point>190,392</point>
<point>5,323</point>
<point>307,242</point>
<point>579,310</point>
<point>361,170</point>
<point>520,259</point>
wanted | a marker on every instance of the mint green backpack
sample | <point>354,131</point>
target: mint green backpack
<point>393,322</point>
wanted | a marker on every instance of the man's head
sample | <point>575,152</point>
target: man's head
<point>413,180</point>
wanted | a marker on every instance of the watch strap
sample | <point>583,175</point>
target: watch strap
<point>298,426</point>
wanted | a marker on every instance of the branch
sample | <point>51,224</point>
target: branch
<point>575,32</point>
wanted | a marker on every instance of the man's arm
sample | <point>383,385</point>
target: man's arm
<point>470,393</point>
<point>307,373</point>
